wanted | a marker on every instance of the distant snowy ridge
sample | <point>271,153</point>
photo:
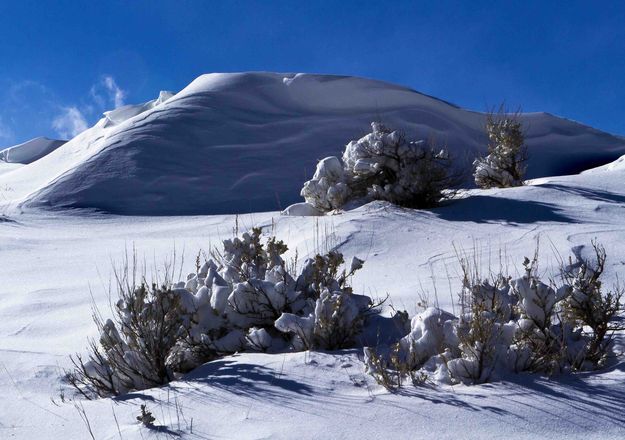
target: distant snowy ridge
<point>618,164</point>
<point>245,142</point>
<point>30,151</point>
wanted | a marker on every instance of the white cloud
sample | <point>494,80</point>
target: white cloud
<point>70,123</point>
<point>102,96</point>
<point>106,93</point>
<point>116,94</point>
<point>97,98</point>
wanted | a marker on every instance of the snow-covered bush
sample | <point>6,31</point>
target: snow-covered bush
<point>132,350</point>
<point>333,316</point>
<point>382,165</point>
<point>539,338</point>
<point>418,354</point>
<point>478,335</point>
<point>336,320</point>
<point>328,189</point>
<point>504,166</point>
<point>243,298</point>
<point>587,307</point>
<point>508,326</point>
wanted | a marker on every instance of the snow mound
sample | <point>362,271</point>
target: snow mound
<point>30,151</point>
<point>243,142</point>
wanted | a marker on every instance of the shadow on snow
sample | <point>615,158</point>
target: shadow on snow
<point>588,193</point>
<point>487,209</point>
<point>244,379</point>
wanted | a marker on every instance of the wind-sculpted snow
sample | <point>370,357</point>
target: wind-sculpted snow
<point>245,142</point>
<point>30,151</point>
<point>126,112</point>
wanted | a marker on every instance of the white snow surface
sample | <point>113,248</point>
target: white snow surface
<point>242,142</point>
<point>30,151</point>
<point>54,265</point>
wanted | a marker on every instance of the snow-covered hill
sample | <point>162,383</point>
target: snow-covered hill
<point>245,142</point>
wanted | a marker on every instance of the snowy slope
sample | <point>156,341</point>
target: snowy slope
<point>54,265</point>
<point>30,151</point>
<point>246,142</point>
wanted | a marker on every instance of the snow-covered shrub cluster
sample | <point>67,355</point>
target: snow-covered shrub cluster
<point>382,165</point>
<point>508,326</point>
<point>243,298</point>
<point>338,315</point>
<point>504,166</point>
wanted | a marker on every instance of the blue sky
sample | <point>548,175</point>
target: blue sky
<point>64,62</point>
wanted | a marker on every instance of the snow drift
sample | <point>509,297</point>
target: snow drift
<point>244,142</point>
<point>30,151</point>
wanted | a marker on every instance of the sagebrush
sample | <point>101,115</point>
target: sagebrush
<point>243,298</point>
<point>383,165</point>
<point>505,164</point>
<point>510,325</point>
